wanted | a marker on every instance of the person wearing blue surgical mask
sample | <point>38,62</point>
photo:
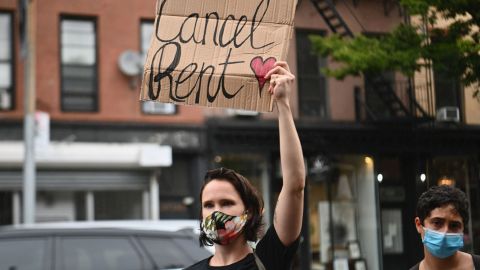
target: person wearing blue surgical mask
<point>442,212</point>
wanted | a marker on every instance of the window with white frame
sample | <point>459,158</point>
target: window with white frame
<point>6,62</point>
<point>152,107</point>
<point>79,65</point>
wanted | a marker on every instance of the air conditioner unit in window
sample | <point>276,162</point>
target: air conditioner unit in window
<point>152,107</point>
<point>448,114</point>
<point>5,100</point>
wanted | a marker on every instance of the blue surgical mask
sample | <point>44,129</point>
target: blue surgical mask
<point>442,245</point>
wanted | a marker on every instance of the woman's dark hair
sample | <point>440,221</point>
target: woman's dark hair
<point>439,196</point>
<point>249,195</point>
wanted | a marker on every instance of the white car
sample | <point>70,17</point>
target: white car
<point>134,245</point>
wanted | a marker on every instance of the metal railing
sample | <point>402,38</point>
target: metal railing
<point>416,99</point>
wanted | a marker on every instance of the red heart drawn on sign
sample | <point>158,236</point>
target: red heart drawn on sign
<point>260,68</point>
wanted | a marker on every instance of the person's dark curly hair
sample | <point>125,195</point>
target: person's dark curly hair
<point>439,196</point>
<point>249,195</point>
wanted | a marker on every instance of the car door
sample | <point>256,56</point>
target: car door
<point>25,253</point>
<point>95,252</point>
<point>174,251</point>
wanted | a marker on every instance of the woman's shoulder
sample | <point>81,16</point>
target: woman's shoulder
<point>271,238</point>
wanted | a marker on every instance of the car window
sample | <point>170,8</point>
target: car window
<point>168,254</point>
<point>192,248</point>
<point>93,253</point>
<point>22,254</point>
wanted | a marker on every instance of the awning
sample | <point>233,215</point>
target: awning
<point>88,155</point>
<point>75,180</point>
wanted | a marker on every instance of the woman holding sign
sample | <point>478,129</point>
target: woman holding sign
<point>231,209</point>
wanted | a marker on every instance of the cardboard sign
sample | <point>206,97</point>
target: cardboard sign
<point>215,53</point>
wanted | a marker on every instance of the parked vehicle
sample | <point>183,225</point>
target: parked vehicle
<point>99,246</point>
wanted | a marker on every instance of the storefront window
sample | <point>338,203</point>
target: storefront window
<point>55,206</point>
<point>111,205</point>
<point>343,213</point>
<point>176,185</point>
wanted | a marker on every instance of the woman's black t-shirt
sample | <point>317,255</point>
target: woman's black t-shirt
<point>270,250</point>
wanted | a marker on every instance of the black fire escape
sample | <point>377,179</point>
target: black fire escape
<point>399,100</point>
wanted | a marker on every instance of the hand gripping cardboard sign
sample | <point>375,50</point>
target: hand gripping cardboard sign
<point>215,53</point>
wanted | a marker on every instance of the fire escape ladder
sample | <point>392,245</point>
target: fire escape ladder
<point>326,9</point>
<point>417,109</point>
<point>385,91</point>
<point>381,86</point>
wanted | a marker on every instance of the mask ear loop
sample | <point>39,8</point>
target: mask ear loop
<point>424,232</point>
<point>247,216</point>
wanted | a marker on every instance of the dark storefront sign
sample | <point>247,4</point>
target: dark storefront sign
<point>180,138</point>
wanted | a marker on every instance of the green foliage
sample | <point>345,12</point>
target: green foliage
<point>398,50</point>
<point>455,50</point>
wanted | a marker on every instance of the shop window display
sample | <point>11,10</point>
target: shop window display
<point>344,225</point>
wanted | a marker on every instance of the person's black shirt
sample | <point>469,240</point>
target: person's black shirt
<point>475,258</point>
<point>271,251</point>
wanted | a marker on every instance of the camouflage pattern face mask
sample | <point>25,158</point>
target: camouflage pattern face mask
<point>221,228</point>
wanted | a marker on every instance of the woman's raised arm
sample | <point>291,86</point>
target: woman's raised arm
<point>289,208</point>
